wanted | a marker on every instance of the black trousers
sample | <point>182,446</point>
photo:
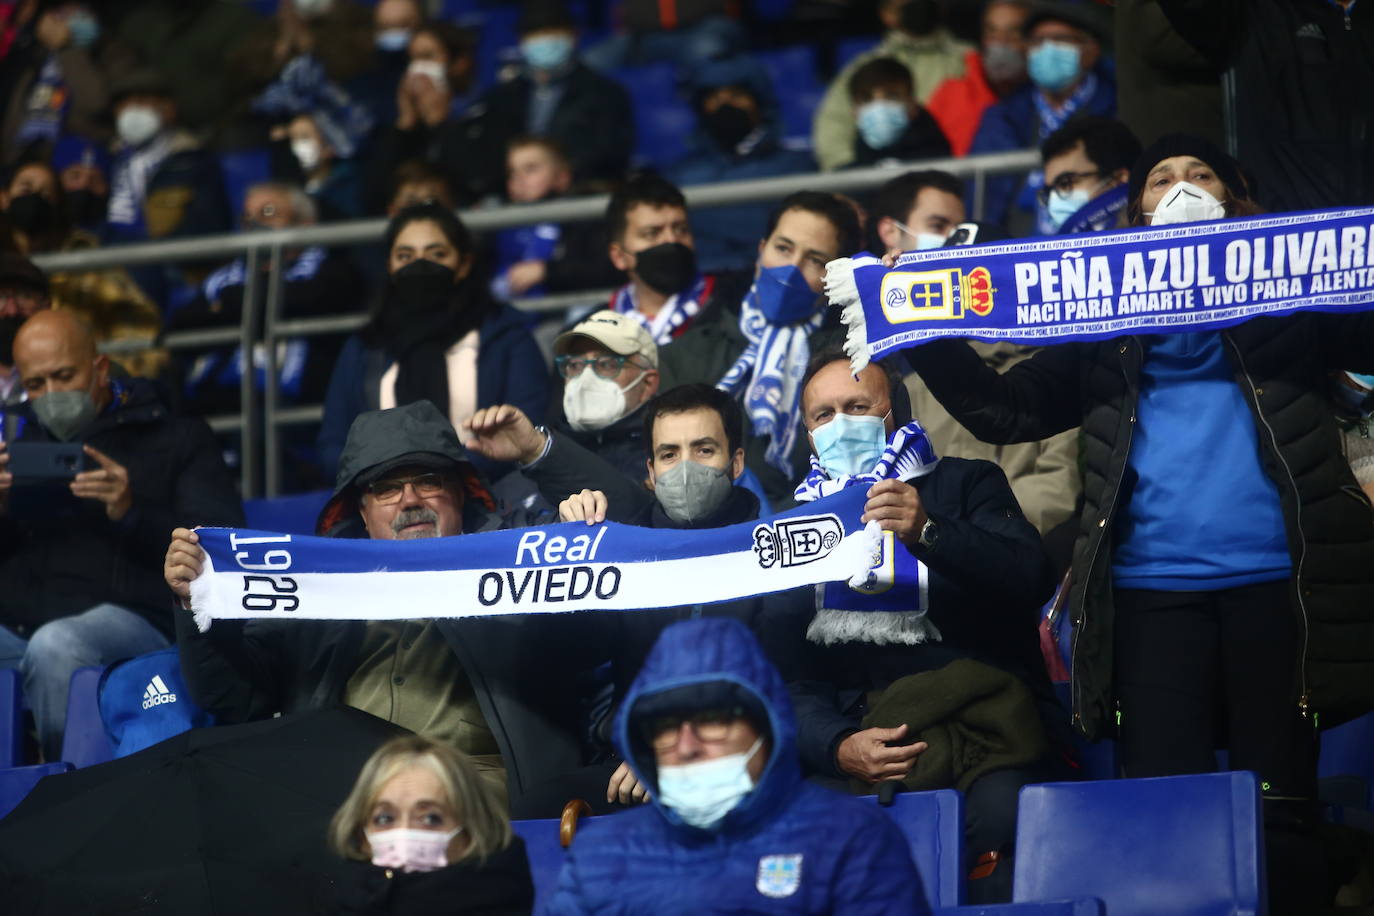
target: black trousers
<point>1195,671</point>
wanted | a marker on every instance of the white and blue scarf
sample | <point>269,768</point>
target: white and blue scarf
<point>550,569</point>
<point>770,370</point>
<point>677,312</point>
<point>890,604</point>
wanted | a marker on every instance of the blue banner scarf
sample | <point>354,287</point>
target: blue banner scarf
<point>890,604</point>
<point>772,366</point>
<point>549,569</point>
<point>1190,277</point>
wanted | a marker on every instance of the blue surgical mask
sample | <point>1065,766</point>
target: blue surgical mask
<point>850,444</point>
<point>84,27</point>
<point>1359,402</point>
<point>397,39</point>
<point>703,793</point>
<point>1054,65</point>
<point>1061,206</point>
<point>547,52</point>
<point>882,122</point>
<point>784,296</point>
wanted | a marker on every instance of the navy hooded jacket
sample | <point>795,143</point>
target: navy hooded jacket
<point>788,847</point>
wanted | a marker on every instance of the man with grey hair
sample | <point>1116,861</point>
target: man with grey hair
<point>315,282</point>
<point>496,687</point>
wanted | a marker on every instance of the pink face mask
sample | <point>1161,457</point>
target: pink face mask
<point>410,850</point>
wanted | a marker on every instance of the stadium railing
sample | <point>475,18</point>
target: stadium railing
<point>272,244</point>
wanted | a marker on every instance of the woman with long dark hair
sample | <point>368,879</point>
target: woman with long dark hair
<point>436,335</point>
<point>1223,577</point>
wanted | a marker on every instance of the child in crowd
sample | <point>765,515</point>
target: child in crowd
<point>891,124</point>
<point>536,169</point>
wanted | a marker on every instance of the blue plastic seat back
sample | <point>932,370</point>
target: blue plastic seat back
<point>1348,750</point>
<point>11,719</point>
<point>17,782</point>
<point>1082,906</point>
<point>84,742</point>
<point>796,86</point>
<point>242,169</point>
<point>663,120</point>
<point>1186,845</point>
<point>851,48</point>
<point>933,823</point>
<point>546,853</point>
<point>294,514</point>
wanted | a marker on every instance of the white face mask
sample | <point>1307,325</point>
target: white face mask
<point>432,69</point>
<point>307,152</point>
<point>137,124</point>
<point>925,241</point>
<point>1186,203</point>
<point>410,850</point>
<point>703,793</point>
<point>592,402</point>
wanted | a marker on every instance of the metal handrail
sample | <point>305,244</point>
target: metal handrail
<point>275,242</point>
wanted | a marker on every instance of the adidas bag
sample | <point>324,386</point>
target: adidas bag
<point>143,700</point>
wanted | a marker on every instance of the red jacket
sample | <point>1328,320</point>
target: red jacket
<point>959,102</point>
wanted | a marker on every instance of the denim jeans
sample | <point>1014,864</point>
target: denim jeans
<point>101,636</point>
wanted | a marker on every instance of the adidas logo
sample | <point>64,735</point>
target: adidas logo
<point>156,693</point>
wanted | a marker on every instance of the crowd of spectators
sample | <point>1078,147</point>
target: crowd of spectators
<point>711,388</point>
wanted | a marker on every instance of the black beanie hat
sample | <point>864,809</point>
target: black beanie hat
<point>1171,145</point>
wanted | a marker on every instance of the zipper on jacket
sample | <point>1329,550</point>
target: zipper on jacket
<point>1075,681</point>
<point>1303,709</point>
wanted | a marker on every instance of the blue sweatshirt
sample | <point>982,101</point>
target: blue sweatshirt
<point>1202,515</point>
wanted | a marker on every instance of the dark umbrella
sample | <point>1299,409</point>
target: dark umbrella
<point>228,820</point>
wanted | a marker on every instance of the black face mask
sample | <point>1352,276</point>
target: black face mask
<point>33,214</point>
<point>87,208</point>
<point>668,268</point>
<point>9,327</point>
<point>920,17</point>
<point>421,282</point>
<point>728,125</point>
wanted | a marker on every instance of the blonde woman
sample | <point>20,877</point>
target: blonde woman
<point>429,837</point>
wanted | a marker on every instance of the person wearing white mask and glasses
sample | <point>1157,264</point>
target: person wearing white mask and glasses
<point>916,211</point>
<point>1223,578</point>
<point>731,826</point>
<point>1087,163</point>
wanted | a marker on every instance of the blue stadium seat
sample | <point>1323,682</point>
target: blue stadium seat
<point>11,719</point>
<point>242,169</point>
<point>1348,750</point>
<point>933,823</point>
<point>545,852</point>
<point>796,85</point>
<point>1083,906</point>
<point>497,39</point>
<point>17,782</point>
<point>85,742</point>
<point>1186,845</point>
<point>851,48</point>
<point>663,120</point>
<point>294,514</point>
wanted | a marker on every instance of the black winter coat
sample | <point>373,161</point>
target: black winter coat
<point>501,886</point>
<point>1300,92</point>
<point>989,576</point>
<point>1282,366</point>
<point>69,557</point>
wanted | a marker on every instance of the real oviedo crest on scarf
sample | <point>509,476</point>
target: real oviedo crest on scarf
<point>934,295</point>
<point>779,876</point>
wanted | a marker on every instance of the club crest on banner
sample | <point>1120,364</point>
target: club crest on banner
<point>779,876</point>
<point>935,295</point>
<point>796,541</point>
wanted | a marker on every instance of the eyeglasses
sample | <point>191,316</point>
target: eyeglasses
<point>1064,184</point>
<point>710,726</point>
<point>607,366</point>
<point>389,491</point>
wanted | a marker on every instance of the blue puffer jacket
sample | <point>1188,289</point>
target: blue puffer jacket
<point>788,847</point>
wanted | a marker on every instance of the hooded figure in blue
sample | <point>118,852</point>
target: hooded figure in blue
<point>786,845</point>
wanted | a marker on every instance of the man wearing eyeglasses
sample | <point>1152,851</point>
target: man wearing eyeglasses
<point>493,687</point>
<point>1087,164</point>
<point>731,826</point>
